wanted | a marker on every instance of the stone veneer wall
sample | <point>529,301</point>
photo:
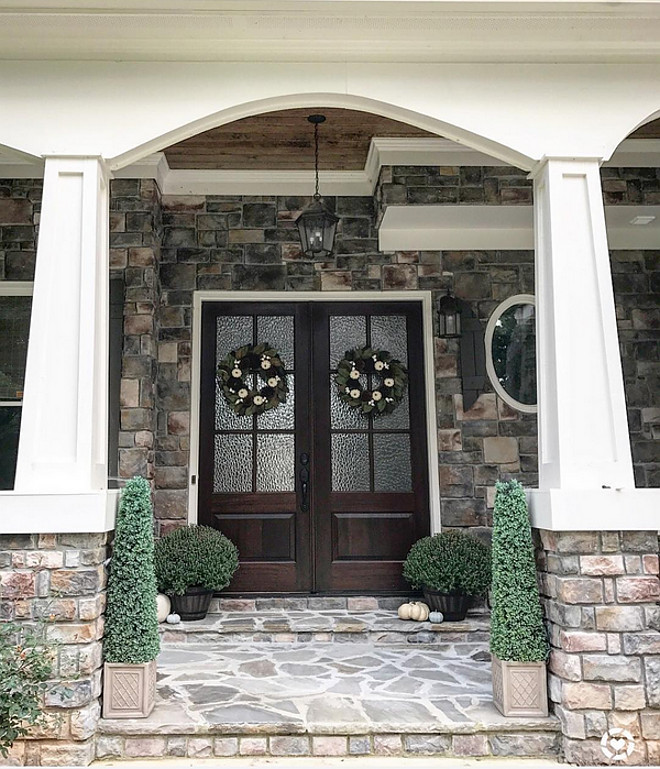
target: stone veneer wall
<point>60,579</point>
<point>600,593</point>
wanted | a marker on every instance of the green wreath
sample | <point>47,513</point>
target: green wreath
<point>260,361</point>
<point>368,360</point>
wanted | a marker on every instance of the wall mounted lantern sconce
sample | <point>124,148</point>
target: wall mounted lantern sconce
<point>316,225</point>
<point>449,317</point>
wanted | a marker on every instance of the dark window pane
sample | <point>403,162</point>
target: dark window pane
<point>10,420</point>
<point>514,353</point>
<point>14,330</point>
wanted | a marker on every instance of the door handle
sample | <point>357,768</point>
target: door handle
<point>304,482</point>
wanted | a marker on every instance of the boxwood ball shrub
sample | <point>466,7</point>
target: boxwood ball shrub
<point>195,556</point>
<point>517,633</point>
<point>131,623</point>
<point>450,562</point>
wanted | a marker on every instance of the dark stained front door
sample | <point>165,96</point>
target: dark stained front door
<point>317,497</point>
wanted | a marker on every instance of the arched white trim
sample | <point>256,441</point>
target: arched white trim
<point>460,135</point>
<point>488,340</point>
<point>633,127</point>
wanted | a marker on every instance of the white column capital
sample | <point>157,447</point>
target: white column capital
<point>64,425</point>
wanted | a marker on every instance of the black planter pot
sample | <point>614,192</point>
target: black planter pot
<point>193,604</point>
<point>453,606</point>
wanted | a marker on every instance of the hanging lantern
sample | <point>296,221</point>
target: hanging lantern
<point>316,225</point>
<point>449,317</point>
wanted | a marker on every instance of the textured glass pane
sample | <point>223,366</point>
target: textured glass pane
<point>232,331</point>
<point>14,329</point>
<point>10,421</point>
<point>276,463</point>
<point>283,417</point>
<point>232,463</point>
<point>342,416</point>
<point>392,462</point>
<point>399,419</point>
<point>514,352</point>
<point>388,332</point>
<point>350,462</point>
<point>277,330</point>
<point>225,417</point>
<point>346,333</point>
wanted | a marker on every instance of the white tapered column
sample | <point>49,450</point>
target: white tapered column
<point>586,476</point>
<point>64,426</point>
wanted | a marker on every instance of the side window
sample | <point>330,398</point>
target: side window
<point>15,308</point>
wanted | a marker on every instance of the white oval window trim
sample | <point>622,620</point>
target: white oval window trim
<point>490,368</point>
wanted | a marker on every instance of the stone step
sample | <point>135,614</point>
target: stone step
<point>381,626</point>
<point>355,603</point>
<point>325,699</point>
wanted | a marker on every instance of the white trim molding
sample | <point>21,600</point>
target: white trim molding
<point>488,343</point>
<point>37,513</point>
<point>200,297</point>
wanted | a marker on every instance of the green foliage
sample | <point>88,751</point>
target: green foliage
<point>194,555</point>
<point>517,633</point>
<point>450,562</point>
<point>26,663</point>
<point>131,624</point>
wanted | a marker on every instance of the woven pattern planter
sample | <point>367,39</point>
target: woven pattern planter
<point>520,688</point>
<point>193,604</point>
<point>453,607</point>
<point>129,691</point>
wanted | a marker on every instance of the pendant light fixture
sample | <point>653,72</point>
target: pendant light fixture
<point>316,225</point>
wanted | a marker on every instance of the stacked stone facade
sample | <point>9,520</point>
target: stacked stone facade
<point>20,206</point>
<point>59,580</point>
<point>600,593</point>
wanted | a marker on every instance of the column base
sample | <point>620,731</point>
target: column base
<point>58,513</point>
<point>594,509</point>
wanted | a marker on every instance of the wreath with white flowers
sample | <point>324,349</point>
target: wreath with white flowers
<point>265,365</point>
<point>368,360</point>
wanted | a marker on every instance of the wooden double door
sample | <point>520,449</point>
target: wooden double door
<point>317,497</point>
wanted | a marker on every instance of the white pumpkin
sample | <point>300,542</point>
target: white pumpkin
<point>163,606</point>
<point>173,619</point>
<point>415,610</point>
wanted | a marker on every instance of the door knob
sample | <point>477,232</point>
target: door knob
<point>304,482</point>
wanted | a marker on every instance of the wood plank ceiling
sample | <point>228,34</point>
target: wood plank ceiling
<point>284,140</point>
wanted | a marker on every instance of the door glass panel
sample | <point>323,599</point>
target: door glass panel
<point>232,331</point>
<point>283,417</point>
<point>392,471</point>
<point>277,330</point>
<point>232,463</point>
<point>342,416</point>
<point>225,417</point>
<point>350,462</point>
<point>14,329</point>
<point>276,462</point>
<point>389,332</point>
<point>346,333</point>
<point>10,421</point>
<point>399,419</point>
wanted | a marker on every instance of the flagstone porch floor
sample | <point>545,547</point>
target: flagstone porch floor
<point>285,683</point>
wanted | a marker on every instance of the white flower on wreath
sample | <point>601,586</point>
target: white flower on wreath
<point>355,393</point>
<point>236,373</point>
<point>347,389</point>
<point>265,364</point>
<point>272,382</point>
<point>389,382</point>
<point>389,400</point>
<point>379,365</point>
<point>372,403</point>
<point>242,393</point>
<point>259,400</point>
<point>376,395</point>
<point>355,374</point>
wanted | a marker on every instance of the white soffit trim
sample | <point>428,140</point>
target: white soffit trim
<point>407,151</point>
<point>510,228</point>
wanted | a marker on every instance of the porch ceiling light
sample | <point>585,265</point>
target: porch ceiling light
<point>449,317</point>
<point>316,225</point>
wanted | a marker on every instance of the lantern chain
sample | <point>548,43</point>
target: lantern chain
<point>316,159</point>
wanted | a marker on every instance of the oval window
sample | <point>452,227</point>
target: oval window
<point>511,352</point>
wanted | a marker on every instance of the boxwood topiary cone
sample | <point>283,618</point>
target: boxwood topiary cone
<point>131,625</point>
<point>518,639</point>
<point>517,632</point>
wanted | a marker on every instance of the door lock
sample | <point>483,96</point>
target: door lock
<point>304,482</point>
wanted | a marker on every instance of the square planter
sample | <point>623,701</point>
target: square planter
<point>129,691</point>
<point>520,688</point>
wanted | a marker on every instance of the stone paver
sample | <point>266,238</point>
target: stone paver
<point>322,689</point>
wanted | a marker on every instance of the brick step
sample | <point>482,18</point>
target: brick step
<point>381,626</point>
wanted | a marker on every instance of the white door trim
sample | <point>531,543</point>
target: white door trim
<point>199,297</point>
